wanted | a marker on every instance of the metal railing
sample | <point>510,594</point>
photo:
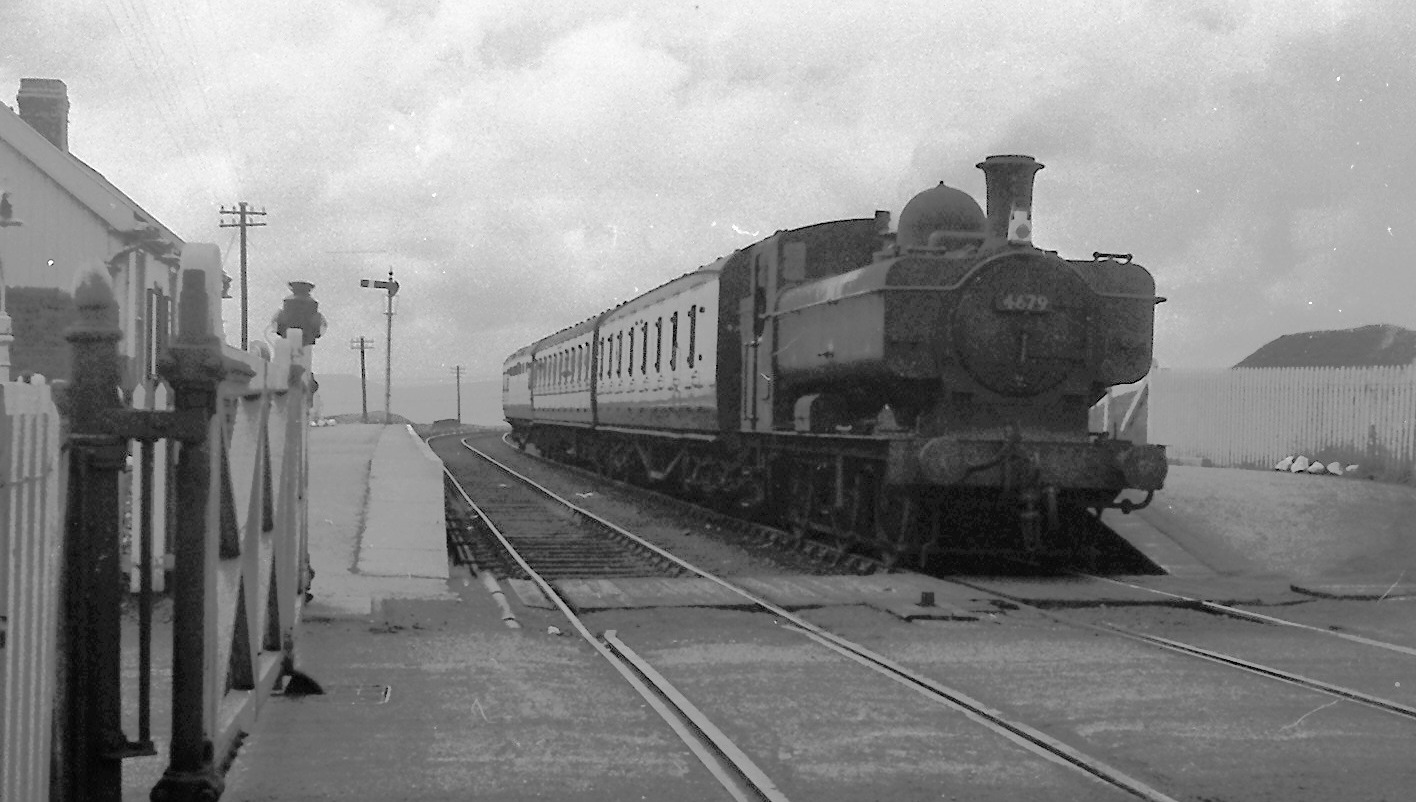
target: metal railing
<point>231,449</point>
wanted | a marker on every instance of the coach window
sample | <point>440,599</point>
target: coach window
<point>644,355</point>
<point>673,341</point>
<point>692,333</point>
<point>619,354</point>
<point>631,350</point>
<point>659,344</point>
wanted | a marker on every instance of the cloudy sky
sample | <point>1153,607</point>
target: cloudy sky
<point>522,166</point>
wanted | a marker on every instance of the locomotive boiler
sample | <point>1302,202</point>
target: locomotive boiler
<point>909,395</point>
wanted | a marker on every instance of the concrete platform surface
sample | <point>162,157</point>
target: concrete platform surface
<point>429,695</point>
<point>376,519</point>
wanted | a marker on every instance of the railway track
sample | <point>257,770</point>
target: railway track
<point>686,718</point>
<point>739,774</point>
<point>568,543</point>
<point>823,556</point>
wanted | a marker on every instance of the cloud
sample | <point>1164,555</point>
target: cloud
<point>521,168</point>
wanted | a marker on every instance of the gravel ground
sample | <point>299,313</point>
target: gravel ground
<point>1299,526</point>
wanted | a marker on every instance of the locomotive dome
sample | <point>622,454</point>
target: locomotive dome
<point>942,208</point>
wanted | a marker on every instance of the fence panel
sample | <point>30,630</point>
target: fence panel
<point>1253,417</point>
<point>31,485</point>
<point>238,575</point>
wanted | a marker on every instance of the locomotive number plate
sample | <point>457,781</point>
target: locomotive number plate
<point>1022,302</point>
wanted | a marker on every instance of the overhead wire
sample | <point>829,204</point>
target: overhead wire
<point>168,72</point>
<point>159,71</point>
<point>220,119</point>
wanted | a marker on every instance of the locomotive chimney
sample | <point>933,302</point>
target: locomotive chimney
<point>1009,180</point>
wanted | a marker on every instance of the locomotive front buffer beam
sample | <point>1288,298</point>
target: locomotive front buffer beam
<point>1103,466</point>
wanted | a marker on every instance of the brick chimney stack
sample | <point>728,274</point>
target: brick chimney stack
<point>44,104</point>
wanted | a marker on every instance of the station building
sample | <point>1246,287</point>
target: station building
<point>60,217</point>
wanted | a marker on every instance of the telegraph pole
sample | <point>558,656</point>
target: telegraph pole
<point>391,287</point>
<point>457,371</point>
<point>243,211</point>
<point>362,344</point>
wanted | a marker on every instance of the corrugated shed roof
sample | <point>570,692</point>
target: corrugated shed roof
<point>1360,347</point>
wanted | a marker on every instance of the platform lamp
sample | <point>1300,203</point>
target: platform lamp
<point>391,287</point>
<point>7,332</point>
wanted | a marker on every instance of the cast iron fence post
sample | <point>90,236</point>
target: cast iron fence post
<point>91,744</point>
<point>194,368</point>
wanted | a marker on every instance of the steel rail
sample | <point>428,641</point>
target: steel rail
<point>740,781</point>
<point>858,563</point>
<point>1289,677</point>
<point>1028,737</point>
<point>720,741</point>
<point>1224,609</point>
<point>1258,669</point>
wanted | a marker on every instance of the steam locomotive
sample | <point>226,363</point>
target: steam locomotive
<point>909,395</point>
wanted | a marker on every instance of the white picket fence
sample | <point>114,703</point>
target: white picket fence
<point>32,475</point>
<point>1253,417</point>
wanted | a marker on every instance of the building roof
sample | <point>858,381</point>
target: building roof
<point>1360,347</point>
<point>120,212</point>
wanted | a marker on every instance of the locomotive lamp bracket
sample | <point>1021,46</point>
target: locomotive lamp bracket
<point>1125,258</point>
